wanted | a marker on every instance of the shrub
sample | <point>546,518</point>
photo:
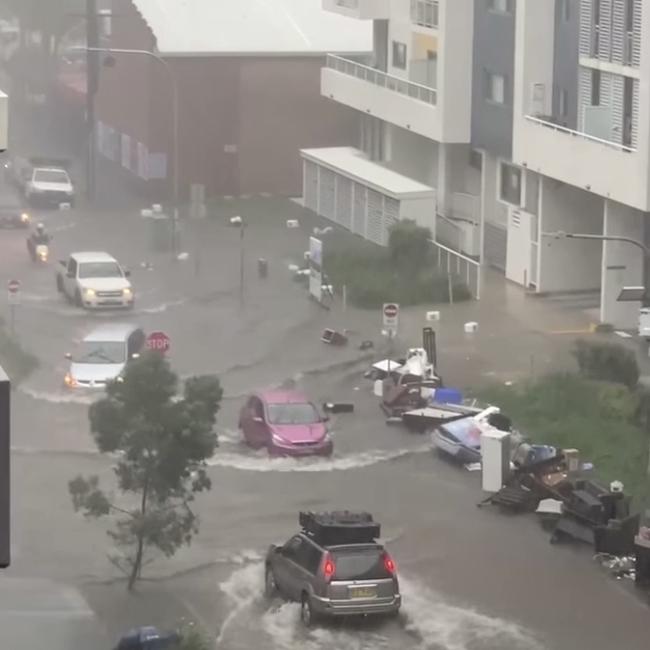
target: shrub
<point>408,246</point>
<point>607,362</point>
<point>16,361</point>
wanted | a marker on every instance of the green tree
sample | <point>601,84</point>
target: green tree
<point>163,441</point>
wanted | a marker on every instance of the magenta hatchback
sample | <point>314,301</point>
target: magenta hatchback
<point>285,422</point>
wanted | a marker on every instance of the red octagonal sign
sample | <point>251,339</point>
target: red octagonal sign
<point>391,310</point>
<point>158,341</point>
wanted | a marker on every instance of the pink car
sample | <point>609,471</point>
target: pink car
<point>285,422</point>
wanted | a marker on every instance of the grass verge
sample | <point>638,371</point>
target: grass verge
<point>16,361</point>
<point>600,419</point>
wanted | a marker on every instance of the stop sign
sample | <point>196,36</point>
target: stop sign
<point>391,310</point>
<point>158,341</point>
<point>13,286</point>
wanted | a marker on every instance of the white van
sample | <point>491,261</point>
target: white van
<point>103,355</point>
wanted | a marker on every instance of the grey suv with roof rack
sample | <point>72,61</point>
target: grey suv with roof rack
<point>334,567</point>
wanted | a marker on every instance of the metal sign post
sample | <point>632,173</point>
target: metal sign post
<point>13,296</point>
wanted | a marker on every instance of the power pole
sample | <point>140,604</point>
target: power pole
<point>92,62</point>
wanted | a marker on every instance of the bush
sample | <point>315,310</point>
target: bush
<point>16,361</point>
<point>404,272</point>
<point>607,362</point>
<point>598,418</point>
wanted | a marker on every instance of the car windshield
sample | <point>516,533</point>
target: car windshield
<point>101,352</point>
<point>51,176</point>
<point>360,564</point>
<point>100,270</point>
<point>293,414</point>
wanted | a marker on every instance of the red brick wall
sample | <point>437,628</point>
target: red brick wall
<point>268,108</point>
<point>282,111</point>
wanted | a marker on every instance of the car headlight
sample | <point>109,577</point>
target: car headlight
<point>69,380</point>
<point>127,293</point>
<point>89,293</point>
<point>25,218</point>
<point>278,439</point>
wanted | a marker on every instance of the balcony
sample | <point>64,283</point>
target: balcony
<point>425,13</point>
<point>362,9</point>
<point>606,168</point>
<point>409,105</point>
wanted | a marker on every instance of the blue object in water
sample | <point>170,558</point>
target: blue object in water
<point>447,396</point>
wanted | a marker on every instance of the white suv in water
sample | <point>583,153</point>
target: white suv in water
<point>95,281</point>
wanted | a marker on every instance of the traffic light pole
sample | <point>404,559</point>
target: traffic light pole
<point>92,73</point>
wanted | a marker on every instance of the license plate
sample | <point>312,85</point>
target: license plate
<point>363,592</point>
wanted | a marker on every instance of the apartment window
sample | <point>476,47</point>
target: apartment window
<point>399,55</point>
<point>510,189</point>
<point>566,10</point>
<point>501,6</point>
<point>629,15</point>
<point>495,87</point>
<point>595,42</point>
<point>595,87</point>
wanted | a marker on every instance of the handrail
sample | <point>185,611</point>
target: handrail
<point>580,134</point>
<point>469,260</point>
<point>383,79</point>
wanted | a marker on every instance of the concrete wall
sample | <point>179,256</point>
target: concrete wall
<point>622,264</point>
<point>494,51</point>
<point>412,155</point>
<point>569,264</point>
<point>565,65</point>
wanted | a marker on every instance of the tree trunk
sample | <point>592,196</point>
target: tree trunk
<point>137,562</point>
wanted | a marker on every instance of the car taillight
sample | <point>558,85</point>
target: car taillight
<point>329,568</point>
<point>389,564</point>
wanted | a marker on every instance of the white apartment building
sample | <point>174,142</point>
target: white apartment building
<point>495,122</point>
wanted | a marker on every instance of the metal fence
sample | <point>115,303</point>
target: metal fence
<point>464,268</point>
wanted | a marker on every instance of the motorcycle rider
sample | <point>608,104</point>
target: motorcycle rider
<point>38,238</point>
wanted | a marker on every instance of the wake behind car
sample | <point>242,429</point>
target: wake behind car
<point>334,567</point>
<point>95,280</point>
<point>286,423</point>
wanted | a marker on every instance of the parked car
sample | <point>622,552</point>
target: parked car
<point>285,422</point>
<point>95,281</point>
<point>334,567</point>
<point>104,354</point>
<point>45,181</point>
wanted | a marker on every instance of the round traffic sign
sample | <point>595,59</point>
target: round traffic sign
<point>391,310</point>
<point>158,341</point>
<point>13,286</point>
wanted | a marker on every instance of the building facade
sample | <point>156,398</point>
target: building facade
<point>520,118</point>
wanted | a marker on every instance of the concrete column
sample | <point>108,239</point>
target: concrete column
<point>567,265</point>
<point>622,264</point>
<point>443,188</point>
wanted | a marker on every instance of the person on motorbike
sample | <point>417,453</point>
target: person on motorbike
<point>38,238</point>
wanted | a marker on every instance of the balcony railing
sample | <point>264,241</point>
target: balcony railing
<point>579,134</point>
<point>383,80</point>
<point>425,13</point>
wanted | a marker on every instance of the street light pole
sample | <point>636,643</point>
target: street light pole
<point>242,230</point>
<point>626,240</point>
<point>175,119</point>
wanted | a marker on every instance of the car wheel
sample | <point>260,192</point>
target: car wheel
<point>77,299</point>
<point>59,284</point>
<point>270,586</point>
<point>307,614</point>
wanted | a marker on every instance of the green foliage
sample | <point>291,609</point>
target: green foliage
<point>607,362</point>
<point>404,272</point>
<point>409,246</point>
<point>16,361</point>
<point>163,443</point>
<point>600,419</point>
<point>192,638</point>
